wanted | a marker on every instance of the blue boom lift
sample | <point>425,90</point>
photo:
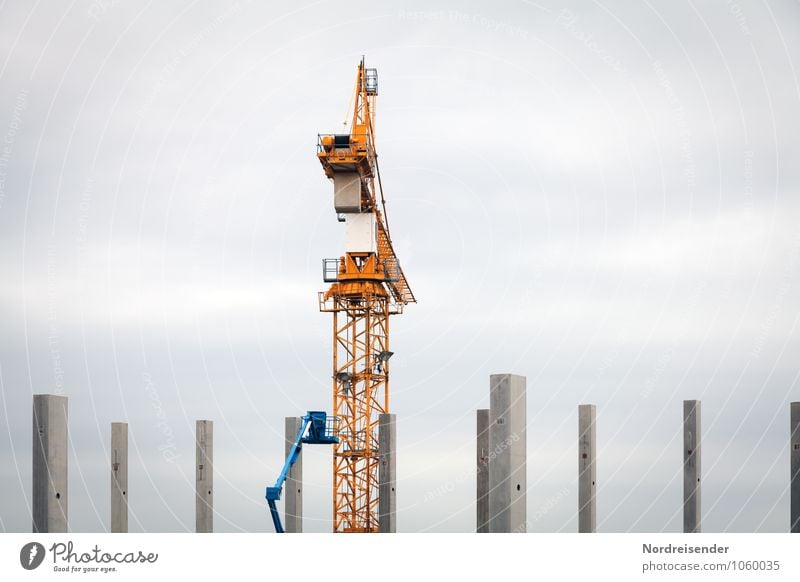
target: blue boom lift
<point>321,431</point>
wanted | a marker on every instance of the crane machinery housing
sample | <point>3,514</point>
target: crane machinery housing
<point>367,287</point>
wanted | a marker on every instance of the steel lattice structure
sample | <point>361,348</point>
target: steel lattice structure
<point>368,286</point>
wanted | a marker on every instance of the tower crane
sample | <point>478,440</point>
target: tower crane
<point>367,287</point>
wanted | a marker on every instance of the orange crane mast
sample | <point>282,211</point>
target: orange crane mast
<point>367,286</point>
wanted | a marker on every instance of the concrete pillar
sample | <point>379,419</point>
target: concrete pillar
<point>507,470</point>
<point>691,466</point>
<point>204,477</point>
<point>387,473</point>
<point>482,471</point>
<point>119,477</point>
<point>794,459</point>
<point>293,487</point>
<point>49,487</point>
<point>587,468</point>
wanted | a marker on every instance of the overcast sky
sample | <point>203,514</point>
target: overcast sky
<point>602,197</point>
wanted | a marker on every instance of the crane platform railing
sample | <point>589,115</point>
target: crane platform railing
<point>343,142</point>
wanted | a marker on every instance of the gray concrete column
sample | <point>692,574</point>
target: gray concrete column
<point>482,471</point>
<point>387,473</point>
<point>691,466</point>
<point>293,487</point>
<point>794,463</point>
<point>507,469</point>
<point>119,477</point>
<point>204,476</point>
<point>587,468</point>
<point>49,486</point>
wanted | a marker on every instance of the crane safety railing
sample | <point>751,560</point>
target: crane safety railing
<point>330,270</point>
<point>342,143</point>
<point>332,267</point>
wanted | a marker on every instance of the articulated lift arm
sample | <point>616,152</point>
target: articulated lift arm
<point>321,431</point>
